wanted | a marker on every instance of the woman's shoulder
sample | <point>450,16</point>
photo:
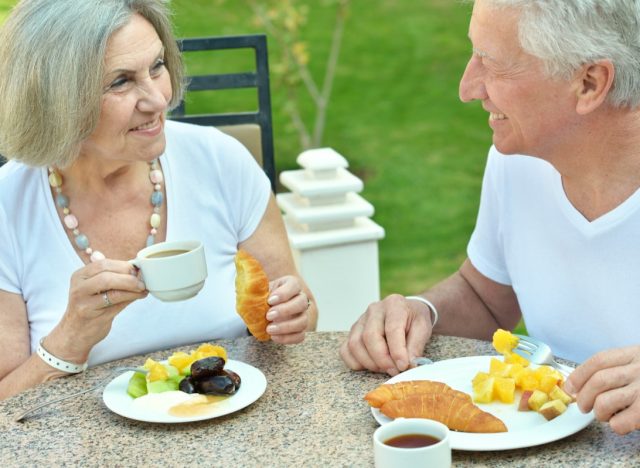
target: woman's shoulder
<point>189,136</point>
<point>205,146</point>
<point>15,175</point>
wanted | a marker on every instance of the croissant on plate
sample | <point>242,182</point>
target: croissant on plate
<point>252,291</point>
<point>399,390</point>
<point>456,412</point>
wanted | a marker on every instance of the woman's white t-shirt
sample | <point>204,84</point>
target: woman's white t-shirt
<point>577,282</point>
<point>216,193</point>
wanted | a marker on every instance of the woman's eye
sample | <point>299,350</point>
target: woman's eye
<point>117,83</point>
<point>159,65</point>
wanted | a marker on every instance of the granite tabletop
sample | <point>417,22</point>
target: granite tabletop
<point>311,414</point>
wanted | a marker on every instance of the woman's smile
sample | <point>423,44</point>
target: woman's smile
<point>149,129</point>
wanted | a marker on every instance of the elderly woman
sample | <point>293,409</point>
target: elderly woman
<point>556,240</point>
<point>96,172</point>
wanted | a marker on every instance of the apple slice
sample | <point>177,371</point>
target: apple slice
<point>552,409</point>
<point>524,400</point>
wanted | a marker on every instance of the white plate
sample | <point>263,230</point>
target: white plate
<point>252,387</point>
<point>525,428</point>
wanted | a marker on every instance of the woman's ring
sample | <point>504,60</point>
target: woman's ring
<point>107,301</point>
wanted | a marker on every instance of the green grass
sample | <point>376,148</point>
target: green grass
<point>394,114</point>
<point>5,6</point>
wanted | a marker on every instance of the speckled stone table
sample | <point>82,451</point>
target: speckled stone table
<point>312,414</point>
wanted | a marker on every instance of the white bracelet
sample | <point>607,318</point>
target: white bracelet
<point>58,363</point>
<point>429,305</point>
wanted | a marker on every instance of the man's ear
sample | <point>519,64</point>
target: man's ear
<point>593,84</point>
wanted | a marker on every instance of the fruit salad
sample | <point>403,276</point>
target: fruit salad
<point>163,377</point>
<point>540,388</point>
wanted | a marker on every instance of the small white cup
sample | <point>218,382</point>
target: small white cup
<point>437,455</point>
<point>173,271</point>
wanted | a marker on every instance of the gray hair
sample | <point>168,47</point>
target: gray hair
<point>52,70</point>
<point>567,34</point>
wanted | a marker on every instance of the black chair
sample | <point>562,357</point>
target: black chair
<point>252,128</point>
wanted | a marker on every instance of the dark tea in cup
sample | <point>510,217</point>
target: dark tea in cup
<point>412,441</point>
<point>174,270</point>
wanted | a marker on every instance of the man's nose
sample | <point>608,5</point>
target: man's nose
<point>472,81</point>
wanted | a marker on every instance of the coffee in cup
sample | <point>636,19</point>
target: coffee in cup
<point>173,271</point>
<point>412,442</point>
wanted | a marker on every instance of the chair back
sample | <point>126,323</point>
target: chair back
<point>252,128</point>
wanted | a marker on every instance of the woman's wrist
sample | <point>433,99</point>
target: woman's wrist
<point>58,363</point>
<point>60,342</point>
<point>430,306</point>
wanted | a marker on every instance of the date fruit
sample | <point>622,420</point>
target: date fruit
<point>216,385</point>
<point>206,367</point>
<point>187,385</point>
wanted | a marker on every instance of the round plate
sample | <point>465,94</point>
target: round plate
<point>254,383</point>
<point>525,428</point>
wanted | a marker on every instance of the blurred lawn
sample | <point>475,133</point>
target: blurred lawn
<point>394,114</point>
<point>5,6</point>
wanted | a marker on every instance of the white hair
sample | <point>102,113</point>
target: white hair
<point>566,34</point>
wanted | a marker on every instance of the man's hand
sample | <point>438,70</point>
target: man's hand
<point>388,335</point>
<point>609,383</point>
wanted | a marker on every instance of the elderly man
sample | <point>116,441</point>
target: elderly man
<point>557,240</point>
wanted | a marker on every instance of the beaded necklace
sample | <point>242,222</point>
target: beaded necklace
<point>71,222</point>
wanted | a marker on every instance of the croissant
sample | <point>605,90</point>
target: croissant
<point>252,291</point>
<point>454,411</point>
<point>400,390</point>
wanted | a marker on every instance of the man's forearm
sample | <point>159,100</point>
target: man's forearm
<point>472,306</point>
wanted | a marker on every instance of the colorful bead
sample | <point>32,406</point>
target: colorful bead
<point>96,255</point>
<point>71,222</point>
<point>82,241</point>
<point>154,221</point>
<point>156,176</point>
<point>62,200</point>
<point>55,179</point>
<point>156,198</point>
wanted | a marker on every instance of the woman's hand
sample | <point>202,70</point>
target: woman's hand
<point>289,312</point>
<point>387,336</point>
<point>98,292</point>
<point>609,383</point>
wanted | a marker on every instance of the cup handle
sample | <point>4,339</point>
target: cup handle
<point>135,262</point>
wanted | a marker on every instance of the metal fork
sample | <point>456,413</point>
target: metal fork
<point>116,370</point>
<point>540,353</point>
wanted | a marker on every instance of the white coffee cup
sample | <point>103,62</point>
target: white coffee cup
<point>173,271</point>
<point>437,455</point>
